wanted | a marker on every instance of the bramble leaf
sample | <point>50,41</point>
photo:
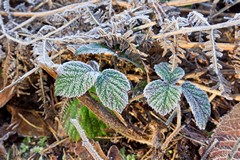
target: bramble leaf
<point>162,96</point>
<point>199,104</point>
<point>163,70</point>
<point>74,79</point>
<point>71,112</point>
<point>112,87</point>
<point>94,48</point>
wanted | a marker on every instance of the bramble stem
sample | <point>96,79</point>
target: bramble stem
<point>176,131</point>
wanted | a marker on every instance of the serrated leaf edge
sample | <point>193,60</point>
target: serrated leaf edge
<point>199,124</point>
<point>157,108</point>
<point>128,87</point>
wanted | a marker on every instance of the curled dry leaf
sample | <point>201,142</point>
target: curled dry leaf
<point>228,136</point>
<point>27,123</point>
<point>114,153</point>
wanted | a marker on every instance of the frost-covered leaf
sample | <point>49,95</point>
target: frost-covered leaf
<point>74,79</point>
<point>94,48</point>
<point>163,70</point>
<point>112,87</point>
<point>162,96</point>
<point>199,104</point>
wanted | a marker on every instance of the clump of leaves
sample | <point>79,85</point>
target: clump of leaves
<point>92,126</point>
<point>163,95</point>
<point>75,78</point>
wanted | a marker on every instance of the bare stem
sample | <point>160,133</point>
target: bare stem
<point>176,131</point>
<point>85,141</point>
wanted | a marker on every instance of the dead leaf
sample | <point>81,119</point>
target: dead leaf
<point>114,153</point>
<point>6,95</point>
<point>227,135</point>
<point>28,122</point>
<point>79,151</point>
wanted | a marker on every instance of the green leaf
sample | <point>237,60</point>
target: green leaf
<point>163,70</point>
<point>74,79</point>
<point>199,103</point>
<point>94,48</point>
<point>71,112</point>
<point>112,87</point>
<point>162,96</point>
<point>92,126</point>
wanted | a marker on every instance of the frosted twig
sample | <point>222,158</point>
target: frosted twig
<point>48,13</point>
<point>20,79</point>
<point>20,25</point>
<point>110,8</point>
<point>196,29</point>
<point>225,8</point>
<point>85,141</point>
<point>39,38</point>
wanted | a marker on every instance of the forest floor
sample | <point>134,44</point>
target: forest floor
<point>200,36</point>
